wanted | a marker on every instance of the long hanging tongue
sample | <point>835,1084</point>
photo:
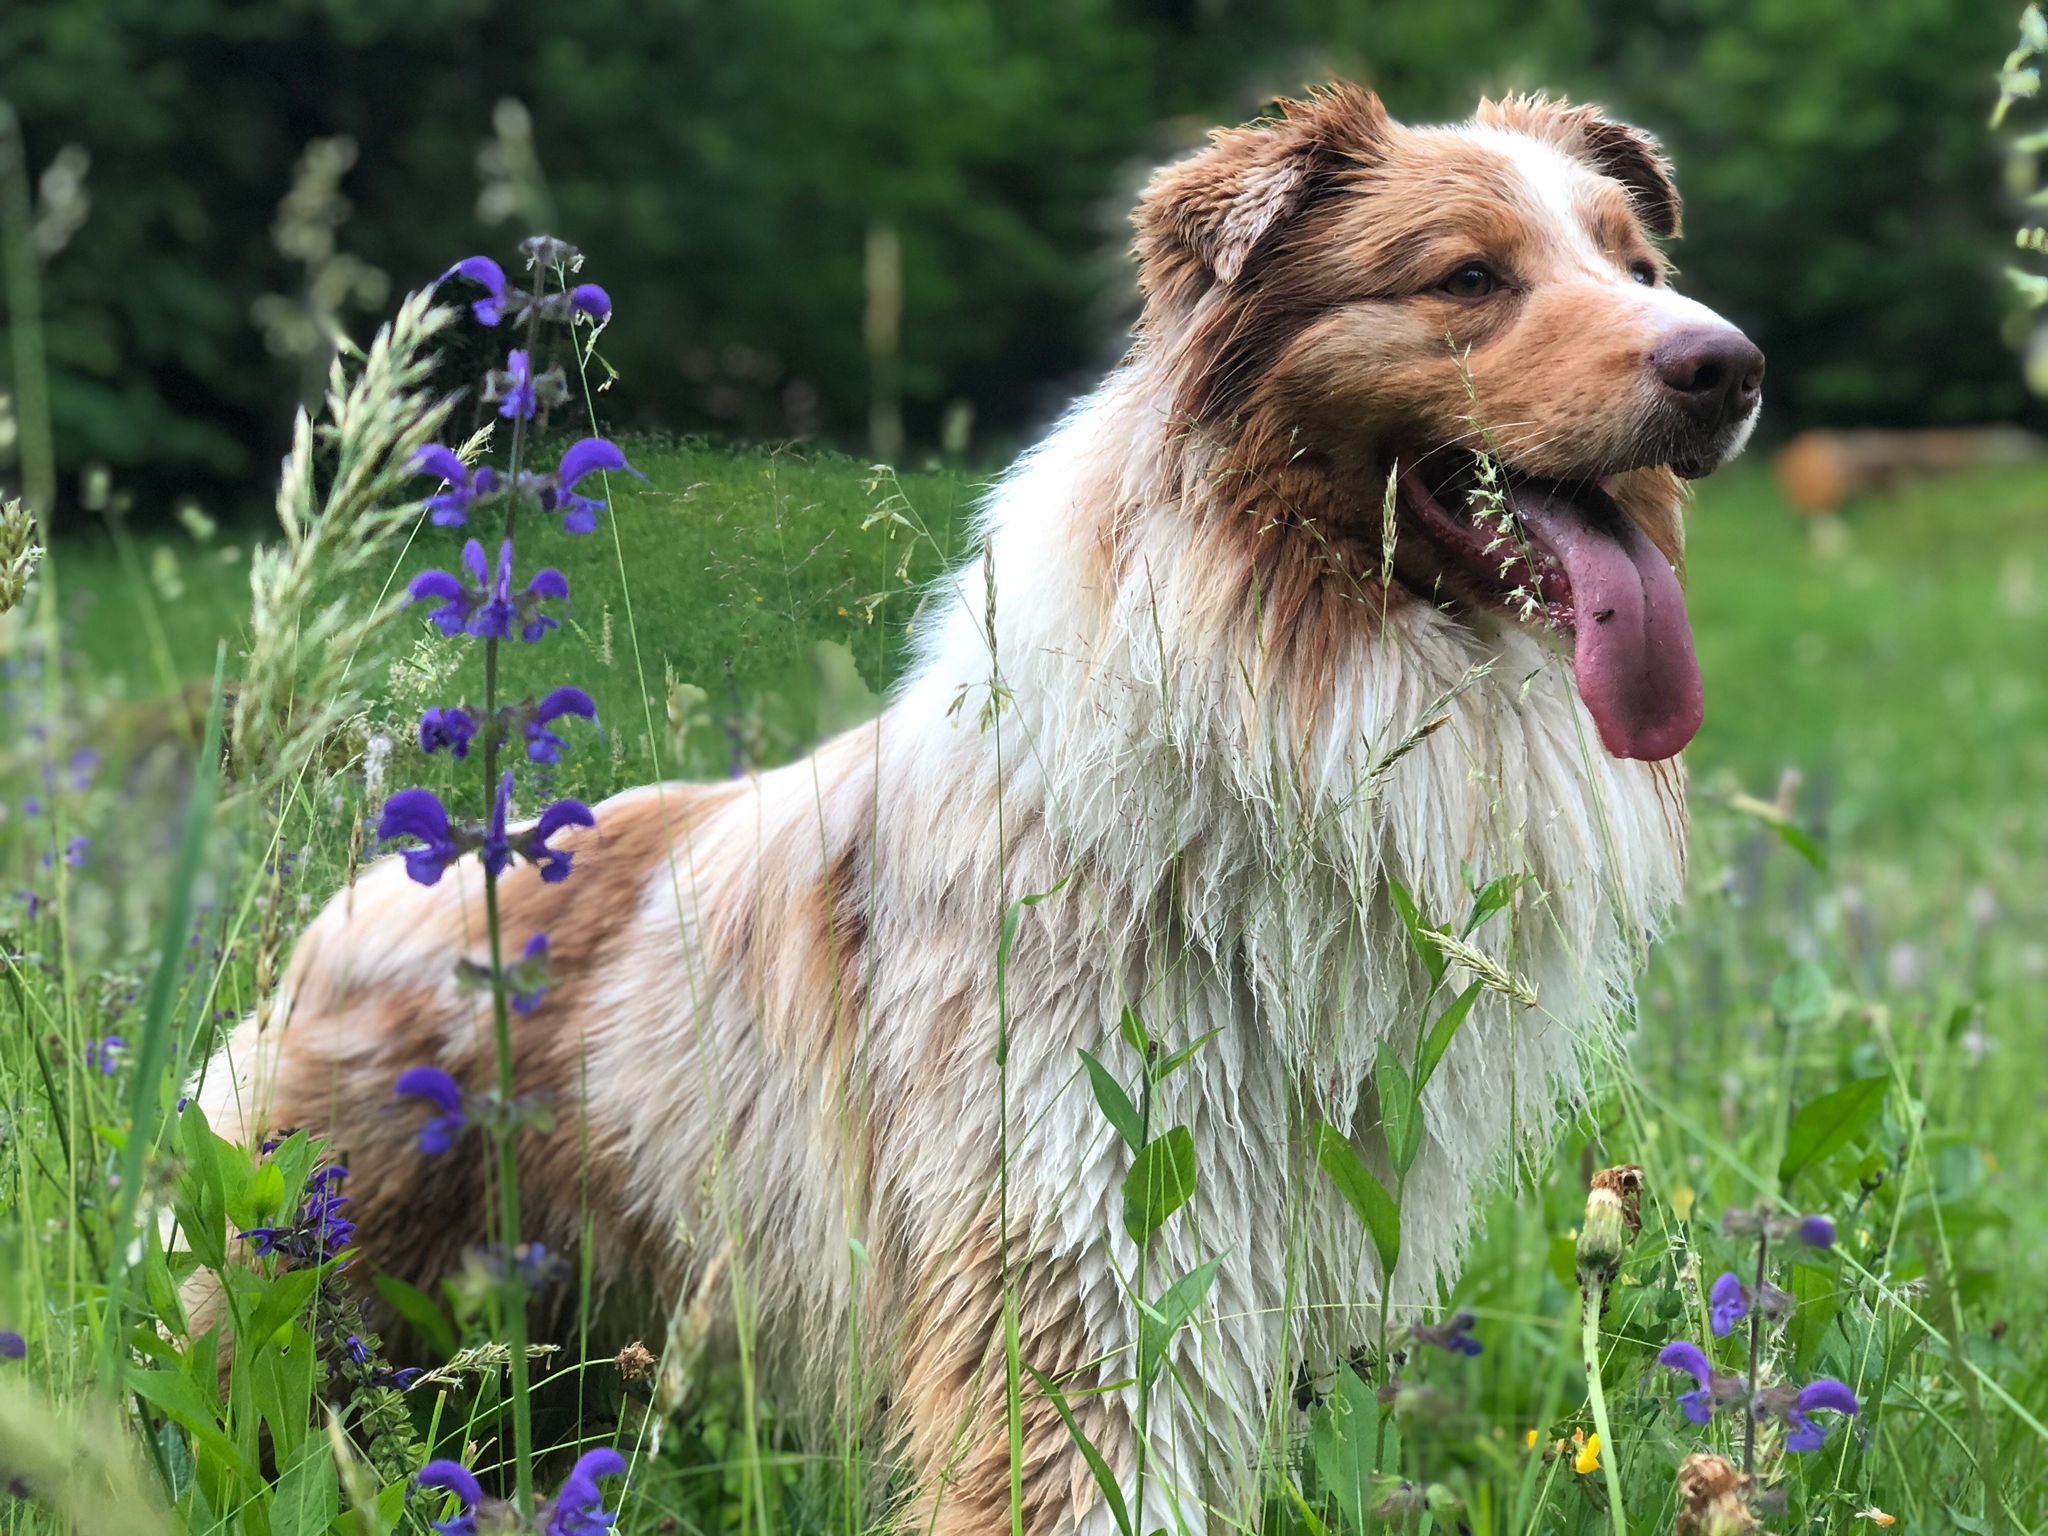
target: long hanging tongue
<point>1634,660</point>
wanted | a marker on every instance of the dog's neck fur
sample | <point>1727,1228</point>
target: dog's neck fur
<point>1238,753</point>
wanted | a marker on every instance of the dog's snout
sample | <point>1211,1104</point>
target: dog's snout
<point>1714,373</point>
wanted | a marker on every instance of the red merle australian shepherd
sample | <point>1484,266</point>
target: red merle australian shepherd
<point>1358,575</point>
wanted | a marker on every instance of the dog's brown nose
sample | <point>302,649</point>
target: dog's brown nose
<point>1712,372</point>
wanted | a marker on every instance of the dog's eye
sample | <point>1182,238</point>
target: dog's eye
<point>1474,280</point>
<point>1643,272</point>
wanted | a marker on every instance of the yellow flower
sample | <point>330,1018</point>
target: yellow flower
<point>1530,1440</point>
<point>1588,1459</point>
<point>1876,1516</point>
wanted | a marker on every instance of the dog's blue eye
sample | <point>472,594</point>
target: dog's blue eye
<point>1474,280</point>
<point>1643,273</point>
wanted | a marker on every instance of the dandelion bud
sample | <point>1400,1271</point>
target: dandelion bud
<point>1710,1495</point>
<point>1613,1218</point>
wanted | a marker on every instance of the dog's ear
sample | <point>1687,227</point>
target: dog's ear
<point>1629,155</point>
<point>1204,219</point>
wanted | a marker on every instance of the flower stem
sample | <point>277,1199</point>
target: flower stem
<point>1756,1347</point>
<point>1596,1397</point>
<point>505,1131</point>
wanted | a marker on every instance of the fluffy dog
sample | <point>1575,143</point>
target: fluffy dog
<point>1360,568</point>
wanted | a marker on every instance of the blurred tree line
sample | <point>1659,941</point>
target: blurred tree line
<point>729,164</point>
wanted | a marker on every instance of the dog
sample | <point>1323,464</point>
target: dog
<point>1355,583</point>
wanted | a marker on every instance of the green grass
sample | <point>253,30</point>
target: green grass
<point>1893,658</point>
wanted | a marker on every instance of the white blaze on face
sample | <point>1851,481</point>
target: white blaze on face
<point>1557,188</point>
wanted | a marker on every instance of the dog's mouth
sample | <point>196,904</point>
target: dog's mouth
<point>1564,554</point>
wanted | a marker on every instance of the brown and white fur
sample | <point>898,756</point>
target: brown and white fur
<point>1182,686</point>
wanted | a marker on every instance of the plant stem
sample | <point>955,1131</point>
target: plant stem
<point>1596,1397</point>
<point>505,1131</point>
<point>1756,1349</point>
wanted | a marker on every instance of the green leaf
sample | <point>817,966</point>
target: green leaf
<point>284,1298</point>
<point>1419,935</point>
<point>1400,1113</point>
<point>1491,898</point>
<point>179,1401</point>
<point>1169,1315</point>
<point>1362,1192</point>
<point>1112,1495</point>
<point>1183,1056</point>
<point>1830,1123</point>
<point>1442,1032</point>
<point>1133,1029</point>
<point>1802,995</point>
<point>1161,1180</point>
<point>1115,1104</point>
<point>1344,1437</point>
<point>421,1311</point>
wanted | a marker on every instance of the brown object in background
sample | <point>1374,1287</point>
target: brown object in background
<point>1818,471</point>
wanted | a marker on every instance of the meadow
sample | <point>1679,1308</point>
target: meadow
<point>1846,1019</point>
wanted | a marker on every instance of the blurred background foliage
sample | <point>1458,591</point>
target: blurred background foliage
<point>261,173</point>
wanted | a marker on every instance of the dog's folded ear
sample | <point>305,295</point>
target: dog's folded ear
<point>1629,155</point>
<point>1205,219</point>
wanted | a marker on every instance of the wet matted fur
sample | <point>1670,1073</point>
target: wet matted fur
<point>1186,685</point>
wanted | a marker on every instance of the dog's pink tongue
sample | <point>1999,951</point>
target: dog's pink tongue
<point>1634,660</point>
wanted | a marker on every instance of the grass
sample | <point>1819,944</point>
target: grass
<point>1880,921</point>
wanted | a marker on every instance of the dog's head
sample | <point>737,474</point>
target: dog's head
<point>1378,300</point>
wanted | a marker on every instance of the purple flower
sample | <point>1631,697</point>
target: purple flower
<point>104,1056</point>
<point>12,1345</point>
<point>497,845</point>
<point>1453,1334</point>
<point>84,763</point>
<point>1727,1304</point>
<point>74,851</point>
<point>1817,1232</point>
<point>1713,1389</point>
<point>579,1507</point>
<point>453,1477</point>
<point>485,605</point>
<point>481,269</point>
<point>530,975</point>
<point>589,299</point>
<point>542,744</point>
<point>450,509</point>
<point>357,1350</point>
<point>318,1232</point>
<point>547,583</point>
<point>554,862</point>
<point>495,610</point>
<point>458,600</point>
<point>512,387</point>
<point>418,813</point>
<point>588,457</point>
<point>451,728</point>
<point>443,1093</point>
<point>1823,1395</point>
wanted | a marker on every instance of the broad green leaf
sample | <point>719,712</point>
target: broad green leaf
<point>1491,898</point>
<point>308,1494</point>
<point>1115,1104</point>
<point>1133,1029</point>
<point>1161,1180</point>
<point>421,1311</point>
<point>1112,1495</point>
<point>1345,1438</point>
<point>1183,1056</point>
<point>1442,1032</point>
<point>1400,1113</point>
<point>284,1298</point>
<point>179,1401</point>
<point>1830,1123</point>
<point>263,1201</point>
<point>1419,935</point>
<point>1169,1314</point>
<point>1362,1192</point>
